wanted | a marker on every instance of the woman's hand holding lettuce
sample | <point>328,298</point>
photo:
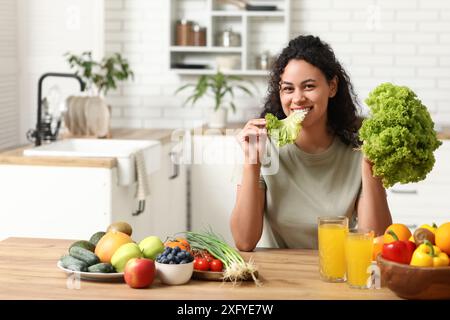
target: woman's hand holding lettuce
<point>287,130</point>
<point>399,137</point>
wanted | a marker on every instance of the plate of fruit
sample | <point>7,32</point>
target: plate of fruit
<point>96,259</point>
<point>97,272</point>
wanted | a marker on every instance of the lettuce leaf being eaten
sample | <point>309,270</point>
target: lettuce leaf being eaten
<point>287,130</point>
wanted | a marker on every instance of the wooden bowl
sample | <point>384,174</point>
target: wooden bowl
<point>420,283</point>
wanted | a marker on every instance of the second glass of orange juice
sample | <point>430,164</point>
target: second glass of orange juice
<point>332,232</point>
<point>358,255</point>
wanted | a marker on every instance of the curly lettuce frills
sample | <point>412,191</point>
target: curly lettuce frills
<point>287,130</point>
<point>399,137</point>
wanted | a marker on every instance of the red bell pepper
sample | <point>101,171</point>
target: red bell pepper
<point>398,251</point>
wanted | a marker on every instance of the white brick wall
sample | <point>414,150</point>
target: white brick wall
<point>46,30</point>
<point>9,83</point>
<point>403,41</point>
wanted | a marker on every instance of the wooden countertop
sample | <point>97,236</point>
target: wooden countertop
<point>16,157</point>
<point>28,271</point>
<point>444,134</point>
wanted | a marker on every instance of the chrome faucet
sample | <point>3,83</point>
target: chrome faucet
<point>43,131</point>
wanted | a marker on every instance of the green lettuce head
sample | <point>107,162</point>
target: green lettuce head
<point>399,137</point>
<point>287,130</point>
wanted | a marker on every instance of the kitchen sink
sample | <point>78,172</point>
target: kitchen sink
<point>122,150</point>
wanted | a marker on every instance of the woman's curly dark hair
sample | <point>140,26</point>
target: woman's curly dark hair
<point>342,111</point>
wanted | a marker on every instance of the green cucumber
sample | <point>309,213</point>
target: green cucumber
<point>102,268</point>
<point>73,264</point>
<point>83,244</point>
<point>84,255</point>
<point>95,238</point>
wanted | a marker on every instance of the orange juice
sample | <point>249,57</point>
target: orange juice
<point>332,251</point>
<point>358,255</point>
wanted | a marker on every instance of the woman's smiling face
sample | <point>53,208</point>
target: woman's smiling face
<point>304,86</point>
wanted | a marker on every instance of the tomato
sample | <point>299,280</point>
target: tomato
<point>201,264</point>
<point>208,256</point>
<point>216,265</point>
<point>203,254</point>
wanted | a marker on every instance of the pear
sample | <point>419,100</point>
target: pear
<point>122,255</point>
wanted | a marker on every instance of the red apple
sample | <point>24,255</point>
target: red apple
<point>139,272</point>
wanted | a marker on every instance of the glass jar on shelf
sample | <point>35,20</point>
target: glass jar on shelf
<point>198,35</point>
<point>264,61</point>
<point>184,33</point>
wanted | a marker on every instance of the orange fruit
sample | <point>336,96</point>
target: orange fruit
<point>109,243</point>
<point>182,243</point>
<point>402,232</point>
<point>442,237</point>
<point>377,247</point>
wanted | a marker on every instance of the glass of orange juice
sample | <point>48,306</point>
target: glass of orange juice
<point>358,256</point>
<point>332,232</point>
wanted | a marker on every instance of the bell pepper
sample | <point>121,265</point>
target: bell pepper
<point>432,228</point>
<point>427,255</point>
<point>398,251</point>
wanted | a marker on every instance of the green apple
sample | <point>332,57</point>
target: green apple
<point>125,252</point>
<point>151,246</point>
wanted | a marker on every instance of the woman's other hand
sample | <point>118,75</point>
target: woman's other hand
<point>252,139</point>
<point>367,167</point>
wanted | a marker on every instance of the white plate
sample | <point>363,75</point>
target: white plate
<point>93,276</point>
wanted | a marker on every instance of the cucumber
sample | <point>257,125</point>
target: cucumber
<point>102,268</point>
<point>95,238</point>
<point>84,255</point>
<point>73,264</point>
<point>83,244</point>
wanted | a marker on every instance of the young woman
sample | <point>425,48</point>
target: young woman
<point>322,174</point>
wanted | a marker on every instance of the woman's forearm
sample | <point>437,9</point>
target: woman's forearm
<point>373,210</point>
<point>247,216</point>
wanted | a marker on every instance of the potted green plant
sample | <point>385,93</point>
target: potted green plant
<point>221,88</point>
<point>89,116</point>
<point>100,76</point>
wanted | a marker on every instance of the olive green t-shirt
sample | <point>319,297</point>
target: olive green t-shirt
<point>303,187</point>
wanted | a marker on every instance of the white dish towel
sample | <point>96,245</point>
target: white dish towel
<point>142,190</point>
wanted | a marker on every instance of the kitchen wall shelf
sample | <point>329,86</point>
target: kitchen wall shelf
<point>204,49</point>
<point>228,72</point>
<point>248,13</point>
<point>260,31</point>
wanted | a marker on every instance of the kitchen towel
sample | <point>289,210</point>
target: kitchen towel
<point>142,190</point>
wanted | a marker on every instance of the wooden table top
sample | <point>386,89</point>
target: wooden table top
<point>28,271</point>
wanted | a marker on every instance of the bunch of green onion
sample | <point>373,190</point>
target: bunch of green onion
<point>236,269</point>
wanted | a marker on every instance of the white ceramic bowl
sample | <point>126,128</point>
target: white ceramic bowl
<point>174,274</point>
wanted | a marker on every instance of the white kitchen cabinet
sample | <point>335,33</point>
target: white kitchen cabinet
<point>74,202</point>
<point>216,17</point>
<point>165,212</point>
<point>426,201</point>
<point>215,173</point>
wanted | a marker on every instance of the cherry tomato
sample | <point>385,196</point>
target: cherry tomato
<point>216,265</point>
<point>208,256</point>
<point>201,264</point>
